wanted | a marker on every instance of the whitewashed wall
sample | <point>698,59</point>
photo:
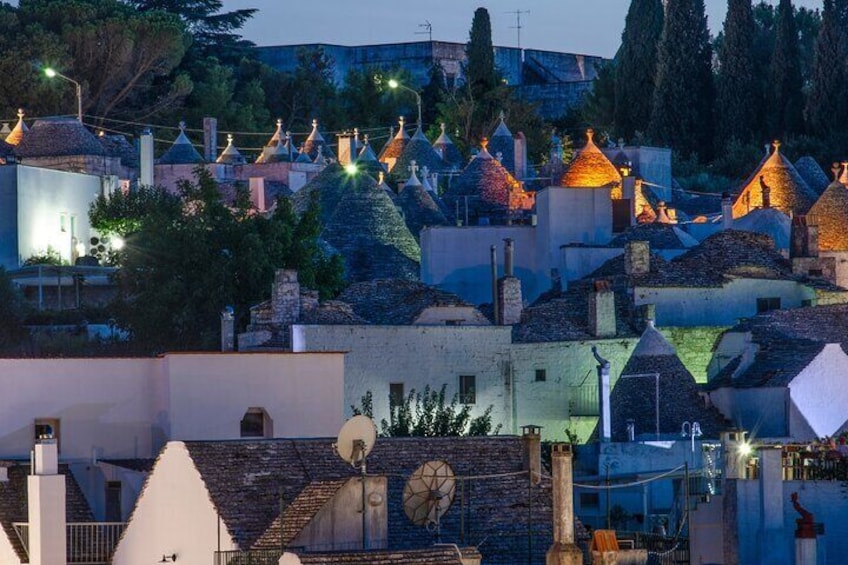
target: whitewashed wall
<point>820,391</point>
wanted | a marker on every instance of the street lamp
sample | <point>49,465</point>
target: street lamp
<point>394,85</point>
<point>50,73</point>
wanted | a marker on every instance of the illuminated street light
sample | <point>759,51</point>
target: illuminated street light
<point>394,85</point>
<point>351,169</point>
<point>51,73</point>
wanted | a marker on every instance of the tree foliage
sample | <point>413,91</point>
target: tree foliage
<point>737,85</point>
<point>480,71</point>
<point>784,96</point>
<point>636,65</point>
<point>188,256</point>
<point>429,414</point>
<point>12,313</point>
<point>827,106</point>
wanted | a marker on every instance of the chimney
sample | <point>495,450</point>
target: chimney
<point>563,551</point>
<point>726,211</point>
<point>347,148</point>
<point>210,139</point>
<point>285,298</point>
<point>766,192</point>
<point>228,330</point>
<point>508,257</point>
<point>605,419</point>
<point>520,149</point>
<point>602,310</point>
<point>803,238</point>
<point>46,507</point>
<point>531,439</point>
<point>511,302</point>
<point>493,258</point>
<point>637,258</point>
<point>146,158</point>
<point>257,192</point>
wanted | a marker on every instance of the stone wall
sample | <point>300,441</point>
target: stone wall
<point>695,346</point>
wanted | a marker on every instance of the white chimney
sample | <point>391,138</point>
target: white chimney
<point>257,192</point>
<point>210,139</point>
<point>228,330</point>
<point>520,149</point>
<point>563,549</point>
<point>726,211</point>
<point>347,148</point>
<point>46,502</point>
<point>605,420</point>
<point>146,158</point>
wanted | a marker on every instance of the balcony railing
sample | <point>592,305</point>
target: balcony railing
<point>89,543</point>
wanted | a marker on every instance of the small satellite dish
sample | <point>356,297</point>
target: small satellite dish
<point>429,493</point>
<point>289,559</point>
<point>356,439</point>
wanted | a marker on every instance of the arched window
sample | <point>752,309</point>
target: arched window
<point>257,423</point>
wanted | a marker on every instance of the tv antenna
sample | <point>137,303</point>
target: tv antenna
<point>428,494</point>
<point>428,29</point>
<point>356,440</point>
<point>517,27</point>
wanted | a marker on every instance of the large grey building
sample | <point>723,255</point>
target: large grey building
<point>554,80</point>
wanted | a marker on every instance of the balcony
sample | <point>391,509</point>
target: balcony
<point>89,543</point>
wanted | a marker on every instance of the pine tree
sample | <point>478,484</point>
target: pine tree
<point>784,98</point>
<point>683,100</point>
<point>636,65</point>
<point>827,107</point>
<point>737,96</point>
<point>480,71</point>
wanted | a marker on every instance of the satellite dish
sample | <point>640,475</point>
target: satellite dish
<point>429,493</point>
<point>289,559</point>
<point>356,439</point>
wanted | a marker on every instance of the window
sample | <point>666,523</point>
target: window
<point>468,389</point>
<point>257,423</point>
<point>47,429</point>
<point>396,394</point>
<point>589,500</point>
<point>766,304</point>
<point>113,501</point>
<point>541,375</point>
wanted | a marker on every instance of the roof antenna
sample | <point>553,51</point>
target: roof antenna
<point>517,27</point>
<point>428,29</point>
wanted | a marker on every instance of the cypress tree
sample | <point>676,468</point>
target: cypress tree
<point>736,99</point>
<point>827,109</point>
<point>636,66</point>
<point>784,98</point>
<point>480,72</point>
<point>683,100</point>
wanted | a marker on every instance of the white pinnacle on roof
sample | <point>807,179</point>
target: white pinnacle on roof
<point>315,135</point>
<point>413,177</point>
<point>17,133</point>
<point>652,343</point>
<point>401,134</point>
<point>444,138</point>
<point>230,153</point>
<point>366,154</point>
<point>502,130</point>
<point>182,138</point>
<point>419,135</point>
<point>425,179</point>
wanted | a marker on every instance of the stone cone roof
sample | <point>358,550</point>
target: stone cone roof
<point>590,168</point>
<point>328,185</point>
<point>17,133</point>
<point>503,142</point>
<point>303,155</point>
<point>446,148</point>
<point>658,235</point>
<point>417,149</point>
<point>394,147</point>
<point>812,173</point>
<point>275,150</point>
<point>679,395</point>
<point>314,141</point>
<point>230,155</point>
<point>767,221</point>
<point>830,214</point>
<point>789,191</point>
<point>58,137</point>
<point>367,160</point>
<point>182,152</point>
<point>118,146</point>
<point>419,208</point>
<point>368,231</point>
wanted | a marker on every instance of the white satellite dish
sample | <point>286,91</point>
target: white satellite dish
<point>429,493</point>
<point>356,439</point>
<point>289,559</point>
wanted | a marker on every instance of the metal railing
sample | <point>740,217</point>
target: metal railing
<point>252,557</point>
<point>88,543</point>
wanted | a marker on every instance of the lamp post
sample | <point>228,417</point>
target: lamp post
<point>50,73</point>
<point>394,85</point>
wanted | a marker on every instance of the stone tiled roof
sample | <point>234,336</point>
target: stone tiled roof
<point>314,141</point>
<point>118,146</point>
<point>230,155</point>
<point>775,366</point>
<point>332,312</point>
<point>13,503</point>
<point>419,208</point>
<point>812,173</point>
<point>449,152</point>
<point>722,256</point>
<point>141,465</point>
<point>830,214</point>
<point>659,236</point>
<point>182,152</point>
<point>590,168</point>
<point>394,301</point>
<point>17,134</point>
<point>58,137</point>
<point>367,161</point>
<point>680,399</point>
<point>329,185</point>
<point>244,477</point>
<point>368,231</point>
<point>298,513</point>
<point>770,222</point>
<point>430,556</point>
<point>789,191</point>
<point>501,141</point>
<point>394,146</point>
<point>417,149</point>
<point>275,150</point>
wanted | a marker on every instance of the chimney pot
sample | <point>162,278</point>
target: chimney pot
<point>602,321</point>
<point>637,258</point>
<point>532,439</point>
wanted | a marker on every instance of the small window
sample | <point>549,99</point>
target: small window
<point>766,304</point>
<point>468,389</point>
<point>589,500</point>
<point>113,501</point>
<point>257,423</point>
<point>541,375</point>
<point>396,394</point>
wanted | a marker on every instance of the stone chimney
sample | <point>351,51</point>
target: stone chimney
<point>637,258</point>
<point>46,507</point>
<point>726,211</point>
<point>563,551</point>
<point>285,298</point>
<point>145,174</point>
<point>347,148</point>
<point>210,139</point>
<point>803,238</point>
<point>256,186</point>
<point>520,147</point>
<point>602,310</point>
<point>228,330</point>
<point>605,416</point>
<point>531,439</point>
<point>510,299</point>
<point>493,260</point>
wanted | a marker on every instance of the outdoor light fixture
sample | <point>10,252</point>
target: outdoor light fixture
<point>168,558</point>
<point>117,243</point>
<point>394,85</point>
<point>351,169</point>
<point>745,449</point>
<point>51,73</point>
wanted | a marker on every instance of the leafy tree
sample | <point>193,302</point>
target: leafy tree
<point>598,108</point>
<point>737,85</point>
<point>432,94</point>
<point>683,100</point>
<point>309,92</point>
<point>189,256</point>
<point>827,107</point>
<point>636,65</point>
<point>12,312</point>
<point>784,97</point>
<point>429,414</point>
<point>480,71</point>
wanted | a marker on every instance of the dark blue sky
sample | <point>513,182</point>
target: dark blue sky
<point>580,26</point>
